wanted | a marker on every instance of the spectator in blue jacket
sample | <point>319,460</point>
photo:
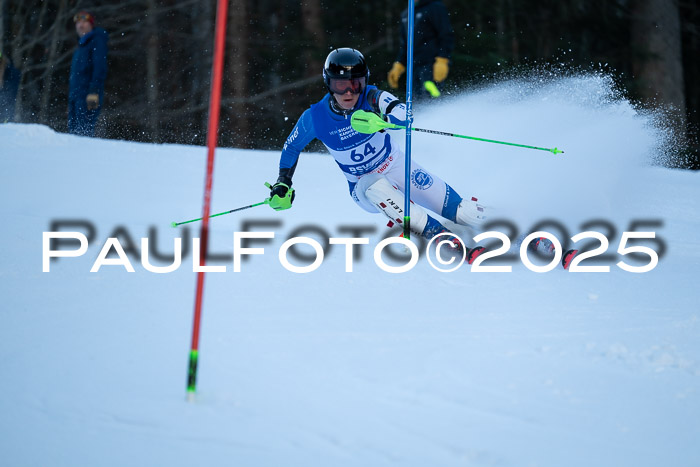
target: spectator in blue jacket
<point>9,84</point>
<point>87,76</point>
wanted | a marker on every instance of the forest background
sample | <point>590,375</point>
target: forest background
<point>160,56</point>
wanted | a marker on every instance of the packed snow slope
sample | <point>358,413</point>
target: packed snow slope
<point>364,367</point>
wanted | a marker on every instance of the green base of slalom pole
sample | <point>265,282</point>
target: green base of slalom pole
<point>192,376</point>
<point>407,227</point>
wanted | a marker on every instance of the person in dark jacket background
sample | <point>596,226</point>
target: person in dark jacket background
<point>87,76</point>
<point>432,48</point>
<point>9,84</point>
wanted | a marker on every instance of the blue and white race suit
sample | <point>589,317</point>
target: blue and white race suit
<point>360,155</point>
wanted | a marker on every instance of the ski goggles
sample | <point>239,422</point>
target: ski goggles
<point>341,86</point>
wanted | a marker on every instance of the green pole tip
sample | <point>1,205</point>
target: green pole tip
<point>431,88</point>
<point>557,151</point>
<point>173,224</point>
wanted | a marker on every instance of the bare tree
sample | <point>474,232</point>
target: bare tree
<point>201,56</point>
<point>3,15</point>
<point>238,70</point>
<point>52,59</point>
<point>152,71</point>
<point>315,36</point>
<point>657,63</point>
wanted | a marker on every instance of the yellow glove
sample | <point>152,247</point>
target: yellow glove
<point>93,101</point>
<point>440,69</point>
<point>394,74</point>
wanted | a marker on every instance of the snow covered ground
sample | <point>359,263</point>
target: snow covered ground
<point>361,368</point>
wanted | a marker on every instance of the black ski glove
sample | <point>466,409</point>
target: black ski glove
<point>280,189</point>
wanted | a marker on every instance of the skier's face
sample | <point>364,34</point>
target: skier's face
<point>347,100</point>
<point>347,91</point>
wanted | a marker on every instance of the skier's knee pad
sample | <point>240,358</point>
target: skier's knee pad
<point>367,181</point>
<point>390,201</point>
<point>359,192</point>
<point>470,212</point>
<point>385,197</point>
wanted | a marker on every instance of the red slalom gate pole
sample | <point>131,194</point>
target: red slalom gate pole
<point>212,139</point>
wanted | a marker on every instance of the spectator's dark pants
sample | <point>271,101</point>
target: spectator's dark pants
<point>423,73</point>
<point>81,121</point>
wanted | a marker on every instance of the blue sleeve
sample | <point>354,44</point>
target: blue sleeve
<point>99,63</point>
<point>302,134</point>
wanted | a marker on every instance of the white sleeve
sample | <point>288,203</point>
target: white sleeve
<point>394,109</point>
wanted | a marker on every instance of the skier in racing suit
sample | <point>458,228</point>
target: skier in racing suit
<point>373,164</point>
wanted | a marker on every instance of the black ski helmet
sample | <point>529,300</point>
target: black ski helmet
<point>345,63</point>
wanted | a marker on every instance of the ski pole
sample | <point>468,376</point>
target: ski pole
<point>369,122</point>
<point>267,201</point>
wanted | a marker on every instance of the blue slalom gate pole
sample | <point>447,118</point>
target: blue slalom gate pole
<point>409,121</point>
